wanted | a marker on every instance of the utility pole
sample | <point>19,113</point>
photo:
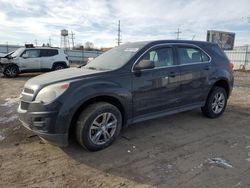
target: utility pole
<point>178,34</point>
<point>193,37</point>
<point>50,42</point>
<point>119,34</point>
<point>36,42</point>
<point>72,38</point>
<point>7,46</point>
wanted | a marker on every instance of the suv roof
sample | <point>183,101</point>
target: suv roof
<point>144,43</point>
<point>41,47</point>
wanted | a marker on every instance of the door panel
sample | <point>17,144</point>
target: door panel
<point>48,56</point>
<point>157,89</point>
<point>32,60</point>
<point>194,71</point>
<point>193,82</point>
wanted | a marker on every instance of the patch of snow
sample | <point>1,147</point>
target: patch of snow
<point>129,151</point>
<point>8,119</point>
<point>220,162</point>
<point>234,145</point>
<point>247,147</point>
<point>9,102</point>
<point>2,137</point>
<point>248,159</point>
<point>238,184</point>
<point>170,166</point>
<point>134,147</point>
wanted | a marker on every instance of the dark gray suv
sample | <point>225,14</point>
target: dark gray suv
<point>128,84</point>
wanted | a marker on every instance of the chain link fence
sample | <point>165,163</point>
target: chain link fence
<point>240,57</point>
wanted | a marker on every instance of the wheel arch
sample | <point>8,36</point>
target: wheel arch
<point>59,62</point>
<point>224,84</point>
<point>11,64</point>
<point>103,98</point>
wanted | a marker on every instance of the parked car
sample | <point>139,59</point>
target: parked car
<point>130,83</point>
<point>33,59</point>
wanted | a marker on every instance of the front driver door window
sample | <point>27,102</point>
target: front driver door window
<point>31,60</point>
<point>162,57</point>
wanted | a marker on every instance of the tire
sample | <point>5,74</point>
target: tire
<point>91,129</point>
<point>59,66</point>
<point>11,71</point>
<point>216,103</point>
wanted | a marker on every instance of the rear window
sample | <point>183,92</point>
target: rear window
<point>48,52</point>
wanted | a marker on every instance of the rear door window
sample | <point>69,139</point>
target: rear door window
<point>188,55</point>
<point>48,52</point>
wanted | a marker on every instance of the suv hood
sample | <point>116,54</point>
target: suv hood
<point>57,76</point>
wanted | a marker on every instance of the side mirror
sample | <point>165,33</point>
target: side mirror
<point>144,64</point>
<point>25,56</point>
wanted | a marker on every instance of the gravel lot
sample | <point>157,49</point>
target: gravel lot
<point>182,150</point>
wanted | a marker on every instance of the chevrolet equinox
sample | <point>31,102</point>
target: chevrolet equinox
<point>130,83</point>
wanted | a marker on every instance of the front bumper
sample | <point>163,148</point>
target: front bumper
<point>42,122</point>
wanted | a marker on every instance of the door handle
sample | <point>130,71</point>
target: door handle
<point>172,74</point>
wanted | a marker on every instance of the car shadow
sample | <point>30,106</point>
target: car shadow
<point>144,148</point>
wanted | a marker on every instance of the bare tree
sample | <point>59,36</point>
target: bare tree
<point>89,45</point>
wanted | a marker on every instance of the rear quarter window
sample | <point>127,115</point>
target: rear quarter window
<point>218,51</point>
<point>49,52</point>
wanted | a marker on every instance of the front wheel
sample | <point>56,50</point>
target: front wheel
<point>11,71</point>
<point>216,103</point>
<point>98,126</point>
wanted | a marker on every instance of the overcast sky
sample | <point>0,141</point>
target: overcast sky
<point>96,20</point>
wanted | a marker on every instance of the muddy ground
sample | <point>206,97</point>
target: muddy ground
<point>182,150</point>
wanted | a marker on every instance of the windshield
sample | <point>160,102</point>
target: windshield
<point>17,52</point>
<point>115,58</point>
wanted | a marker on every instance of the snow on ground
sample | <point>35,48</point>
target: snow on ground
<point>220,162</point>
<point>8,119</point>
<point>2,137</point>
<point>9,102</point>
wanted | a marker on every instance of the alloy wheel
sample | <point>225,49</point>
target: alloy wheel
<point>218,102</point>
<point>103,128</point>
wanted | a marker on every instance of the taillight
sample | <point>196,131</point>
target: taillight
<point>231,67</point>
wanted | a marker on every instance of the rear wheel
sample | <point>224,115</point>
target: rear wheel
<point>98,126</point>
<point>216,103</point>
<point>59,66</point>
<point>11,71</point>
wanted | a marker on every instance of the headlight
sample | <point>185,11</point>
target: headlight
<point>51,92</point>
